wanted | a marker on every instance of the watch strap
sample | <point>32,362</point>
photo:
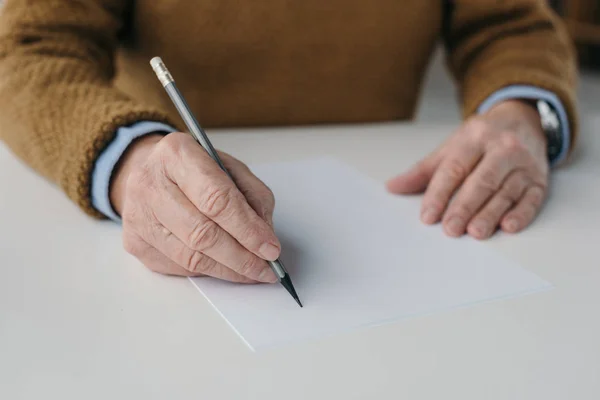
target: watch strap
<point>552,128</point>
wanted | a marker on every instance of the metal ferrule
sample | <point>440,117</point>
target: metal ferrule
<point>163,74</point>
<point>278,268</point>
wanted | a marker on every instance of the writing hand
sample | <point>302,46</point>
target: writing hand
<point>182,215</point>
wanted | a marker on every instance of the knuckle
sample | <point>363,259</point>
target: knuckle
<point>514,185</point>
<point>488,180</point>
<point>455,170</point>
<point>171,144</point>
<point>204,236</point>
<point>434,202</point>
<point>479,135</point>
<point>477,128</point>
<point>252,236</point>
<point>203,265</point>
<point>194,262</point>
<point>463,210</point>
<point>249,266</point>
<point>169,151</point>
<point>506,198</point>
<point>217,201</point>
<point>510,143</point>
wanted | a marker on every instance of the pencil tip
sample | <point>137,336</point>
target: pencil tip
<point>287,284</point>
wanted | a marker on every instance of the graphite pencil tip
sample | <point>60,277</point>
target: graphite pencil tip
<point>286,282</point>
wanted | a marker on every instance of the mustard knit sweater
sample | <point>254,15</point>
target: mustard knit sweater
<point>73,71</point>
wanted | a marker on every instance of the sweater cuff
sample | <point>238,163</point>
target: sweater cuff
<point>534,93</point>
<point>108,159</point>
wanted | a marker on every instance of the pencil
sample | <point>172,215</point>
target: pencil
<point>167,81</point>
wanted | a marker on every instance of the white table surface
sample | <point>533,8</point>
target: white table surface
<point>81,319</point>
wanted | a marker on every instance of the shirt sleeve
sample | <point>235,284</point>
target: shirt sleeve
<point>534,93</point>
<point>108,159</point>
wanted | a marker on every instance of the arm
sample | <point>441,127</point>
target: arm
<point>501,50</point>
<point>58,108</point>
<point>493,171</point>
<point>182,214</point>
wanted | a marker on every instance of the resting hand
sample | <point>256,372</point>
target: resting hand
<point>492,172</point>
<point>182,215</point>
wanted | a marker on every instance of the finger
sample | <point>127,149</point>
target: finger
<point>416,179</point>
<point>457,164</point>
<point>172,212</point>
<point>194,262</point>
<point>525,211</point>
<point>215,195</point>
<point>485,180</point>
<point>488,218</point>
<point>152,258</point>
<point>258,195</point>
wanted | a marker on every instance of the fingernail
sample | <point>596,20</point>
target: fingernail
<point>269,251</point>
<point>455,226</point>
<point>267,275</point>
<point>429,215</point>
<point>479,228</point>
<point>512,224</point>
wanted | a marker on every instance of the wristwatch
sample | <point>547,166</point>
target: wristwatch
<point>552,128</point>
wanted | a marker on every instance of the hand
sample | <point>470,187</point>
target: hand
<point>492,172</point>
<point>182,215</point>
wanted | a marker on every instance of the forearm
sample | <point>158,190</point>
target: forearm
<point>58,109</point>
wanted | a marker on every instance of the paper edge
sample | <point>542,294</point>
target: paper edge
<point>191,279</point>
<point>544,286</point>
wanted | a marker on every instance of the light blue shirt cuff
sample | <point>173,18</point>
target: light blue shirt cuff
<point>108,159</point>
<point>534,93</point>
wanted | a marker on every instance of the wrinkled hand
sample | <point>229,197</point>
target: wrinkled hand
<point>182,215</point>
<point>492,172</point>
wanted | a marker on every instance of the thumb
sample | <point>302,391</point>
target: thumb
<point>416,179</point>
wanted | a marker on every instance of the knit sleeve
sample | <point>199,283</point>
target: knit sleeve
<point>495,44</point>
<point>58,108</point>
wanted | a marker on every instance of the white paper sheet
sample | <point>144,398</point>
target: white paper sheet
<point>358,256</point>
